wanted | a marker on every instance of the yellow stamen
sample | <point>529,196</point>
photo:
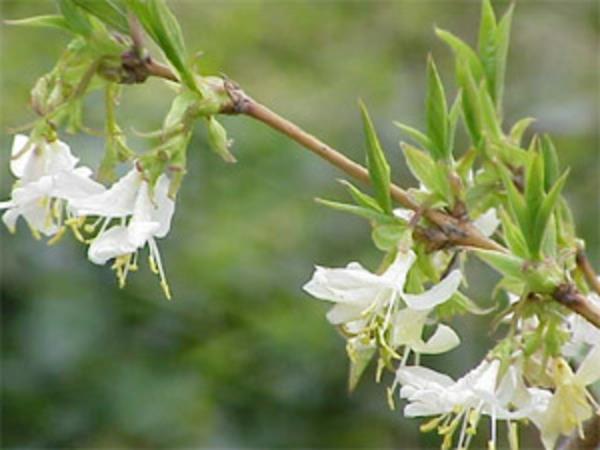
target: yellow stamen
<point>57,237</point>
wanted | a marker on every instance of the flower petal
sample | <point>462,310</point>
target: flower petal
<point>118,201</point>
<point>165,206</point>
<point>343,312</point>
<point>142,227</point>
<point>487,222</point>
<point>422,377</point>
<point>59,157</point>
<point>396,273</point>
<point>589,370</point>
<point>436,295</point>
<point>443,340</point>
<point>75,184</point>
<point>110,244</point>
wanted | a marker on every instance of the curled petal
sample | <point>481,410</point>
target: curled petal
<point>110,244</point>
<point>436,295</point>
<point>487,222</point>
<point>443,340</point>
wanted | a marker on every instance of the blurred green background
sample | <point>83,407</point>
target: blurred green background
<point>242,358</point>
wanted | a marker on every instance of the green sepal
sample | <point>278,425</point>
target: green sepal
<point>360,356</point>
<point>218,140</point>
<point>436,113</point>
<point>379,169</point>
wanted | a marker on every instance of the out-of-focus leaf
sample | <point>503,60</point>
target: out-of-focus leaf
<point>75,18</point>
<point>110,12</point>
<point>436,112</point>
<point>48,21</point>
<point>519,128</point>
<point>379,169</point>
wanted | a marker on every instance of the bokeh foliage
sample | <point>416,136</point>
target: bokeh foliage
<point>241,357</point>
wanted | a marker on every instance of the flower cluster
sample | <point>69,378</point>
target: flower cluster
<point>53,193</point>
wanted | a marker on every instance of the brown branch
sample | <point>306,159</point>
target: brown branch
<point>588,271</point>
<point>569,296</point>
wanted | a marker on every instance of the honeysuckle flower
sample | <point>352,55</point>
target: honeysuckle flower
<point>571,404</point>
<point>48,180</point>
<point>462,402</point>
<point>143,214</point>
<point>361,296</point>
<point>583,333</point>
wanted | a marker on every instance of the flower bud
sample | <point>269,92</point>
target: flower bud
<point>217,137</point>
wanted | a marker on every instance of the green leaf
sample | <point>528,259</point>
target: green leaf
<point>488,114</point>
<point>471,104</point>
<point>48,21</point>
<point>162,26</point>
<point>75,18</point>
<point>360,198</point>
<point>534,191</point>
<point>516,201</point>
<point>459,304</point>
<point>436,112</point>
<point>513,236</point>
<point>544,212</point>
<point>433,175</point>
<point>379,169</point>
<point>386,236</point>
<point>519,128</point>
<point>420,138</point>
<point>465,164</point>
<point>453,117</point>
<point>551,164</point>
<point>108,11</point>
<point>360,211</point>
<point>463,52</point>
<point>487,46</point>
<point>504,263</point>
<point>502,44</point>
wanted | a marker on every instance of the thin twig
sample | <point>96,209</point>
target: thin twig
<point>588,271</point>
<point>569,296</point>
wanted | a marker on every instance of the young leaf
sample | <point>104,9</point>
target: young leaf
<point>513,236</point>
<point>361,211</point>
<point>437,112</point>
<point>76,19</point>
<point>49,21</point>
<point>506,264</point>
<point>108,11</point>
<point>453,117</point>
<point>544,212</point>
<point>551,165</point>
<point>462,52</point>
<point>379,169</point>
<point>421,165</point>
<point>502,44</point>
<point>360,198</point>
<point>534,190</point>
<point>487,46</point>
<point>516,201</point>
<point>471,104</point>
<point>420,138</point>
<point>162,26</point>
<point>488,114</point>
<point>519,128</point>
<point>386,237</point>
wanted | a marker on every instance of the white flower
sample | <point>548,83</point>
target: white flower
<point>143,215</point>
<point>48,180</point>
<point>571,404</point>
<point>487,222</point>
<point>460,403</point>
<point>359,294</point>
<point>583,333</point>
